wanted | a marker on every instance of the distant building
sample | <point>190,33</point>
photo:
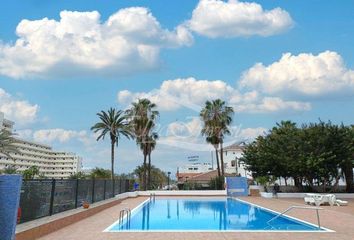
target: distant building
<point>202,173</point>
<point>202,179</point>
<point>51,164</point>
<point>232,164</point>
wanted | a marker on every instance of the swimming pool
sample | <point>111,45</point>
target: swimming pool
<point>206,214</point>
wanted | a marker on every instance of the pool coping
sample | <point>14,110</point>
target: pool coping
<point>325,230</point>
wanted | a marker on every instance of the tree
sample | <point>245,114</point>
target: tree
<point>217,118</point>
<point>30,173</point>
<point>7,145</point>
<point>151,144</point>
<point>142,118</point>
<point>81,175</point>
<point>314,154</point>
<point>348,163</point>
<point>113,123</point>
<point>100,173</point>
<point>213,140</point>
<point>158,177</point>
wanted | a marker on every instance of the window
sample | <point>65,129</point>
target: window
<point>233,163</point>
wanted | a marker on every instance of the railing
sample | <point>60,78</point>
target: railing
<point>40,198</point>
<point>125,212</point>
<point>299,207</point>
<point>152,196</point>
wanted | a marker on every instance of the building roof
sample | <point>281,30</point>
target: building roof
<point>186,175</point>
<point>204,176</point>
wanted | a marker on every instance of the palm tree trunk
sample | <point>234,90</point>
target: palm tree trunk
<point>217,160</point>
<point>149,171</point>
<point>145,183</point>
<point>222,160</point>
<point>112,161</point>
<point>112,166</point>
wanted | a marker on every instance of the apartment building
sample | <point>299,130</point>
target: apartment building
<point>51,164</point>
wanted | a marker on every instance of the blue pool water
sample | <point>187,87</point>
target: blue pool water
<point>212,214</point>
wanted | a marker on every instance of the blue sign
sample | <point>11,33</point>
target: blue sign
<point>10,187</point>
<point>236,186</point>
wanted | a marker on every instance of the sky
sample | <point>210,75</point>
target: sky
<point>61,62</point>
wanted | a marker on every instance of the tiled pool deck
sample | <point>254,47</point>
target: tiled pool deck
<point>339,219</point>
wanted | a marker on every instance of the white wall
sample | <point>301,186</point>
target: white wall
<point>185,193</point>
<point>173,193</point>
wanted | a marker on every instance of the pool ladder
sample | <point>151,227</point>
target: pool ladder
<point>298,207</point>
<point>122,213</point>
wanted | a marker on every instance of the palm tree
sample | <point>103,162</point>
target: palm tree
<point>158,177</point>
<point>217,118</point>
<point>7,143</point>
<point>142,117</point>
<point>215,142</point>
<point>30,173</point>
<point>113,122</point>
<point>151,144</point>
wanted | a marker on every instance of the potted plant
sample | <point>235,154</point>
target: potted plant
<point>85,204</point>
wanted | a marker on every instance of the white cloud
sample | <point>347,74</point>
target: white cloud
<point>184,135</point>
<point>304,74</point>
<point>129,41</point>
<point>24,134</point>
<point>216,18</point>
<point>187,135</point>
<point>20,111</point>
<point>190,129</point>
<point>58,134</point>
<point>273,104</point>
<point>192,93</point>
<point>249,134</point>
<point>188,92</point>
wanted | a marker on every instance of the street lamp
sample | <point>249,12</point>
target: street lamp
<point>168,180</point>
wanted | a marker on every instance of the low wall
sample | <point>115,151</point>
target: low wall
<point>37,228</point>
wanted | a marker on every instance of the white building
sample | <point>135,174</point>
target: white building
<point>196,168</point>
<point>232,164</point>
<point>51,164</point>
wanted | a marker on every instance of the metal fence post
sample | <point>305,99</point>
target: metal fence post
<point>104,190</point>
<point>113,187</point>
<point>52,197</point>
<point>93,190</point>
<point>76,192</point>
<point>120,185</point>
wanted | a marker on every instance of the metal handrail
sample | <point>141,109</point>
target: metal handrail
<point>128,213</point>
<point>299,207</point>
<point>152,196</point>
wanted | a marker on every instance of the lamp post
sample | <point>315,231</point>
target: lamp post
<point>236,165</point>
<point>168,180</point>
